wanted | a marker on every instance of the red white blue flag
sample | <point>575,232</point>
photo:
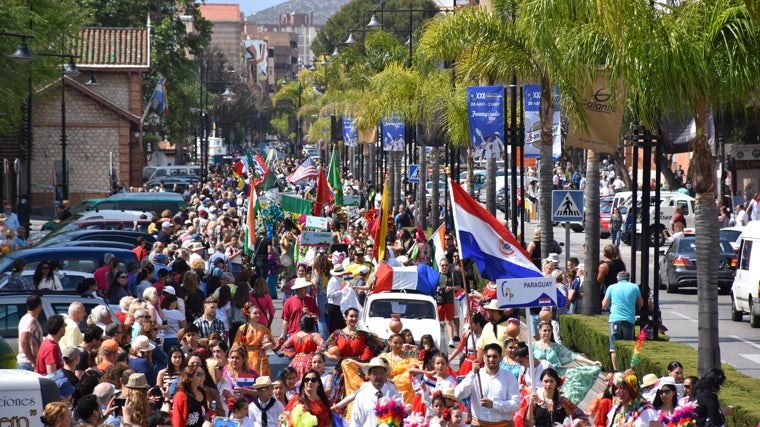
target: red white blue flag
<point>483,238</point>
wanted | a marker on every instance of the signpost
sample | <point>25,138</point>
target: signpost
<point>567,207</point>
<point>414,174</point>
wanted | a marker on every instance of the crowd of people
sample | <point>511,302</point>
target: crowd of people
<point>195,324</point>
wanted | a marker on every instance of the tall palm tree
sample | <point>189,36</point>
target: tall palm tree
<point>692,57</point>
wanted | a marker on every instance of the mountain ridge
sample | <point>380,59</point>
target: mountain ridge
<point>322,10</point>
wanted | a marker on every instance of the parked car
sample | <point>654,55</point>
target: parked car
<point>98,244</point>
<point>126,223</point>
<point>147,201</point>
<point>417,312</point>
<point>605,211</point>
<point>13,307</point>
<point>77,208</point>
<point>733,235</point>
<point>70,279</point>
<point>745,291</point>
<point>70,258</point>
<point>124,236</point>
<point>678,266</point>
<point>75,220</point>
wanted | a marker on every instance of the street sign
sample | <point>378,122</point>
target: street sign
<point>414,174</point>
<point>567,205</point>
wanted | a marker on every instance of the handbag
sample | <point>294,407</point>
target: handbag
<point>286,260</point>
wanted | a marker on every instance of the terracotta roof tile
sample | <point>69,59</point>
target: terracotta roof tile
<point>221,12</point>
<point>102,47</point>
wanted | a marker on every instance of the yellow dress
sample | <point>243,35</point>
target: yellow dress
<point>254,338</point>
<point>400,375</point>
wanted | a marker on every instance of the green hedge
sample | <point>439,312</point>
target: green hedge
<point>589,335</point>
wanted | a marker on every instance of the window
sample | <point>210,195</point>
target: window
<point>746,251</point>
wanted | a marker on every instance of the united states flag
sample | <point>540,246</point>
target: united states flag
<point>305,171</point>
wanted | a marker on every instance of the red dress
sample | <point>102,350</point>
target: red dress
<point>301,349</point>
<point>316,408</point>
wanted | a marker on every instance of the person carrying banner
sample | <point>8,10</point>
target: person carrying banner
<point>494,392</point>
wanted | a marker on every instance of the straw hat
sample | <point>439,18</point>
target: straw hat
<point>648,380</point>
<point>378,362</point>
<point>553,258</point>
<point>449,394</point>
<point>338,270</point>
<point>300,283</point>
<point>493,305</point>
<point>138,381</point>
<point>262,382</point>
<point>403,259</point>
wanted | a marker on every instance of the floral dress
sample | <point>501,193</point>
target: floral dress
<point>361,346</point>
<point>578,379</point>
<point>254,338</point>
<point>301,349</point>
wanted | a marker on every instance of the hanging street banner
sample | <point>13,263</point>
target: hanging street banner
<point>485,110</point>
<point>605,116</point>
<point>532,95</point>
<point>527,292</point>
<point>393,134</point>
<point>350,134</point>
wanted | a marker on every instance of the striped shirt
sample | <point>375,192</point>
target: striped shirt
<point>206,328</point>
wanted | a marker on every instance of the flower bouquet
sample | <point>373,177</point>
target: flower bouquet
<point>390,412</point>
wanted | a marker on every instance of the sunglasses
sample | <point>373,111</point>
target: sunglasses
<point>310,379</point>
<point>200,374</point>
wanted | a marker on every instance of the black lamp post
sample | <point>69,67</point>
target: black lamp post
<point>23,56</point>
<point>66,70</point>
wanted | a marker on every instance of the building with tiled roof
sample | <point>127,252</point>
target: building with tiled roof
<point>102,117</point>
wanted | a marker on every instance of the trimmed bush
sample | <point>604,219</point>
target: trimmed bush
<point>589,335</point>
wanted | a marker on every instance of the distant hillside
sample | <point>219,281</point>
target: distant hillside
<point>322,9</point>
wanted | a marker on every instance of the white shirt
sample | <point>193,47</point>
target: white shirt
<point>334,294</point>
<point>73,335</point>
<point>741,217</point>
<point>501,388</point>
<point>643,420</point>
<point>273,413</point>
<point>363,413</point>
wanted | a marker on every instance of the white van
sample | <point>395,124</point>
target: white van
<point>162,172</point>
<point>745,292</point>
<point>668,202</point>
<point>24,395</point>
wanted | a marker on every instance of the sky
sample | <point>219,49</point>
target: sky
<point>250,6</point>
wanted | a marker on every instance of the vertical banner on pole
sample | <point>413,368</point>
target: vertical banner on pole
<point>350,133</point>
<point>485,109</point>
<point>605,116</point>
<point>532,95</point>
<point>393,134</point>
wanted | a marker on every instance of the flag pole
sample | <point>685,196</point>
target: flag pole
<point>477,373</point>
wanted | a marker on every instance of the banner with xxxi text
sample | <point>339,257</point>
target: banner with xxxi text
<point>485,110</point>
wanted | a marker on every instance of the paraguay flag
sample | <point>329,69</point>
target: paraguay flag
<point>421,278</point>
<point>481,237</point>
<point>246,380</point>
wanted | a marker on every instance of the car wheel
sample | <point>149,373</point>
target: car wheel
<point>578,228</point>
<point>736,315</point>
<point>754,319</point>
<point>657,233</point>
<point>671,288</point>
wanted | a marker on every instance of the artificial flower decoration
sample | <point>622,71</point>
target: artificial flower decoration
<point>416,420</point>
<point>684,416</point>
<point>300,418</point>
<point>390,412</point>
<point>636,358</point>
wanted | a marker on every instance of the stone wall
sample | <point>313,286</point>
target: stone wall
<point>93,132</point>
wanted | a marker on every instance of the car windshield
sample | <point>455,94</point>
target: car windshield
<point>687,246</point>
<point>408,309</point>
<point>730,235</point>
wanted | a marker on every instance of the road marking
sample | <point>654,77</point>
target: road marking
<point>752,357</point>
<point>750,343</point>
<point>685,317</point>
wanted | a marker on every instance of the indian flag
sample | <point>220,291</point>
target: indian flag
<point>438,246</point>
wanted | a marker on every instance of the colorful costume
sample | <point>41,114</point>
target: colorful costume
<point>254,338</point>
<point>300,349</point>
<point>361,346</point>
<point>578,380</point>
<point>400,375</point>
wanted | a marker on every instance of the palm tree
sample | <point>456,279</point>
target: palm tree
<point>691,57</point>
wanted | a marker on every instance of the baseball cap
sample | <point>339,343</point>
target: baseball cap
<point>110,345</point>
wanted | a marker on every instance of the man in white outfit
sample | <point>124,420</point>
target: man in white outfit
<point>496,396</point>
<point>367,397</point>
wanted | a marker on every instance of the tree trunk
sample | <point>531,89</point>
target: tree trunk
<point>546,113</point>
<point>702,173</point>
<point>434,193</point>
<point>591,298</point>
<point>490,186</point>
<point>422,218</point>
